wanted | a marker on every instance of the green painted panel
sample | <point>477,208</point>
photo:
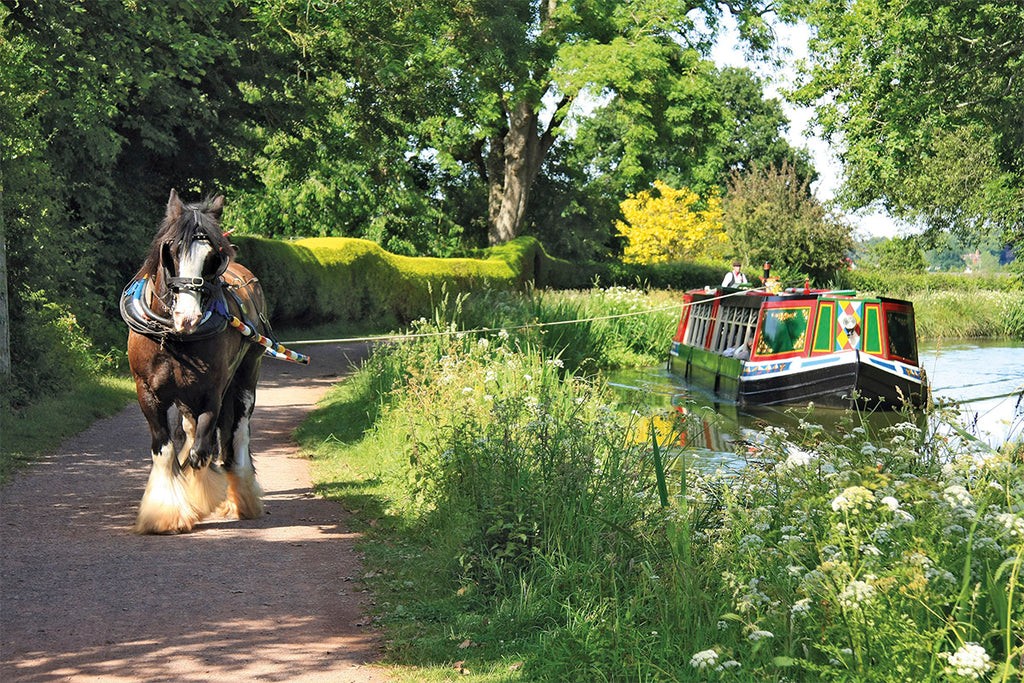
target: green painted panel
<point>872,330</point>
<point>823,327</point>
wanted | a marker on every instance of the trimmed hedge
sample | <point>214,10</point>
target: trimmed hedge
<point>903,284</point>
<point>325,279</point>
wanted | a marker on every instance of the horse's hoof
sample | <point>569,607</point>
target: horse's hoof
<point>197,461</point>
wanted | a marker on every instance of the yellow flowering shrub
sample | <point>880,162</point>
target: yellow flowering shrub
<point>665,225</point>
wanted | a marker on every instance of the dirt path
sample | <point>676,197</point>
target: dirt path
<point>273,599</point>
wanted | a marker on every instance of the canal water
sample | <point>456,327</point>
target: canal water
<point>985,378</point>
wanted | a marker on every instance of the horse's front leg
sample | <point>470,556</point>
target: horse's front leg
<point>204,444</point>
<point>207,485</point>
<point>245,496</point>
<point>166,506</point>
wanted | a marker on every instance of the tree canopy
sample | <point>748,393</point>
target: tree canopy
<point>426,126</point>
<point>926,104</point>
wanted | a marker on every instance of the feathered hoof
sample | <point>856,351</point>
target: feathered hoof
<point>244,498</point>
<point>207,488</point>
<point>157,517</point>
<point>166,506</point>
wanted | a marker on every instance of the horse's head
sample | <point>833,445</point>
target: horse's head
<point>189,254</point>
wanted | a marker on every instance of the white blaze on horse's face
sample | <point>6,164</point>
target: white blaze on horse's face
<point>188,305</point>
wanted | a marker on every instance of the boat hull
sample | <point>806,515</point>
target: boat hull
<point>838,380</point>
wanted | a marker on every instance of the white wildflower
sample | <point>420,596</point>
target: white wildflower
<point>1013,523</point>
<point>903,517</point>
<point>801,606</point>
<point>483,342</point>
<point>970,661</point>
<point>467,390</point>
<point>503,334</point>
<point>957,496</point>
<point>855,593</point>
<point>557,362</point>
<point>751,542</point>
<point>727,664</point>
<point>758,634</point>
<point>704,659</point>
<point>891,503</point>
<point>797,458</point>
<point>851,497</point>
<point>870,549</point>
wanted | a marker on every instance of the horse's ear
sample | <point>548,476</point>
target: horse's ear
<point>174,206</point>
<point>217,206</point>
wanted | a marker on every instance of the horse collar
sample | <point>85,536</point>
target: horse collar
<point>136,312</point>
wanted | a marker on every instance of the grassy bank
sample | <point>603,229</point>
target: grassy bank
<point>946,314</point>
<point>31,431</point>
<point>515,531</point>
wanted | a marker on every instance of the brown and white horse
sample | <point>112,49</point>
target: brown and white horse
<point>195,376</point>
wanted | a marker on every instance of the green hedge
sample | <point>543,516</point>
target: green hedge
<point>326,279</point>
<point>337,278</point>
<point>897,284</point>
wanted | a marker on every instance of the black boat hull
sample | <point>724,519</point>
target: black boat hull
<point>840,381</point>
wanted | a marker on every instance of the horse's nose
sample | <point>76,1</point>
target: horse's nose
<point>185,322</point>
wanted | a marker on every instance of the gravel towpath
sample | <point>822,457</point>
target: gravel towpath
<point>273,599</point>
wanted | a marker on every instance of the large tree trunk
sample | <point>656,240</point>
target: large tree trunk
<point>514,163</point>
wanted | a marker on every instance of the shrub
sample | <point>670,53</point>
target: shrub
<point>49,349</point>
<point>771,216</point>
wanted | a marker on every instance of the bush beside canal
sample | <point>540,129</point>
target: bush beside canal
<point>514,529</point>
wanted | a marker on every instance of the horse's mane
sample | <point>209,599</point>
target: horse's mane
<point>193,219</point>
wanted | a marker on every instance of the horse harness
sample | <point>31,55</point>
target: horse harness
<point>142,319</point>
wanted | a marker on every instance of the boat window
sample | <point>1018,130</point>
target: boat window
<point>700,322</point>
<point>783,330</point>
<point>900,331</point>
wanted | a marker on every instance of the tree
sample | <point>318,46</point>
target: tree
<point>771,216</point>
<point>104,106</point>
<point>756,128</point>
<point>926,100</point>
<point>488,87</point>
<point>670,225</point>
<point>708,122</point>
<point>900,254</point>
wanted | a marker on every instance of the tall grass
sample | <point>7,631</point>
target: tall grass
<point>516,531</point>
<point>961,314</point>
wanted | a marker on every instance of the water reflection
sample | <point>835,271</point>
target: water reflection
<point>985,378</point>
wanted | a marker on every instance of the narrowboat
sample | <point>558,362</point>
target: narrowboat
<point>832,348</point>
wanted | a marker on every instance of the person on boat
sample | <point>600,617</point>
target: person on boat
<point>743,353</point>
<point>735,277</point>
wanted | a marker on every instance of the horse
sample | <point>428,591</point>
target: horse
<point>193,371</point>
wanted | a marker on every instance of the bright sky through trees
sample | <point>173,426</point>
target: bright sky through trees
<point>728,52</point>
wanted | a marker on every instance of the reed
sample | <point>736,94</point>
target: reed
<point>961,314</point>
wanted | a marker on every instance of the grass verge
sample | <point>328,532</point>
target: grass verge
<point>34,430</point>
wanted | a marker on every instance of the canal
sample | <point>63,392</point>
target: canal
<point>985,378</point>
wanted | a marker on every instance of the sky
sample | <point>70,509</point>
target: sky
<point>727,52</point>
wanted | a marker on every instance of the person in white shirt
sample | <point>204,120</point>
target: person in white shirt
<point>734,277</point>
